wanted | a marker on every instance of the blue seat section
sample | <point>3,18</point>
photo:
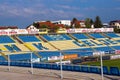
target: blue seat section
<point>116,47</point>
<point>111,41</point>
<point>39,46</point>
<point>49,53</point>
<point>28,38</point>
<point>79,44</point>
<point>2,58</point>
<point>55,66</point>
<point>114,71</point>
<point>22,57</point>
<point>80,36</point>
<point>77,68</point>
<point>56,37</point>
<point>105,70</point>
<point>104,41</point>
<point>67,67</point>
<point>113,35</point>
<point>94,69</point>
<point>12,47</point>
<point>107,48</point>
<point>85,68</point>
<point>6,39</point>
<point>80,52</point>
<point>88,43</point>
<point>96,35</point>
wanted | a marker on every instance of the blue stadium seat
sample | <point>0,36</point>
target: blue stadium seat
<point>56,37</point>
<point>80,36</point>
<point>105,70</point>
<point>114,71</point>
<point>49,53</point>
<point>39,46</point>
<point>67,67</point>
<point>111,41</point>
<point>76,68</point>
<point>55,66</point>
<point>12,47</point>
<point>6,39</point>
<point>2,59</point>
<point>79,44</point>
<point>116,47</point>
<point>104,41</point>
<point>94,69</point>
<point>28,38</point>
<point>112,35</point>
<point>88,43</point>
<point>96,35</point>
<point>107,48</point>
<point>22,57</point>
<point>85,68</point>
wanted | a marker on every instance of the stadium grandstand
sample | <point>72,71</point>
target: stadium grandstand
<point>82,44</point>
<point>72,43</point>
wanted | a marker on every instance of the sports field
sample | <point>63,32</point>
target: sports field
<point>108,63</point>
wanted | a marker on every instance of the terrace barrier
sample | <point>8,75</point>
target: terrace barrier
<point>78,68</point>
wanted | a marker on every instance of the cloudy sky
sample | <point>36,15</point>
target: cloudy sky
<point>22,13</point>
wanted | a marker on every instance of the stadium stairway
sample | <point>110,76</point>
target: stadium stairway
<point>33,49</point>
<point>105,35</point>
<point>16,39</point>
<point>89,36</point>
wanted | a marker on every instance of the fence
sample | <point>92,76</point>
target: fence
<point>78,68</point>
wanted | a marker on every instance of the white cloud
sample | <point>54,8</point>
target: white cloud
<point>38,11</point>
<point>118,8</point>
<point>90,8</point>
<point>67,7</point>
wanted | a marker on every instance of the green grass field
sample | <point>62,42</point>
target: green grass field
<point>108,63</point>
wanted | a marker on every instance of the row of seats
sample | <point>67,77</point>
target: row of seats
<point>28,38</point>
<point>96,35</point>
<point>78,68</point>
<point>80,36</point>
<point>56,37</point>
<point>112,35</point>
<point>6,39</point>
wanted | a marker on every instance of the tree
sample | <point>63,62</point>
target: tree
<point>75,23</point>
<point>97,23</point>
<point>116,30</point>
<point>88,22</point>
<point>36,25</point>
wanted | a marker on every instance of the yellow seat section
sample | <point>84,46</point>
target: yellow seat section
<point>2,48</point>
<point>63,45</point>
<point>50,47</point>
<point>22,47</point>
<point>31,47</point>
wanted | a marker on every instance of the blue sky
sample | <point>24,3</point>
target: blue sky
<point>22,13</point>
